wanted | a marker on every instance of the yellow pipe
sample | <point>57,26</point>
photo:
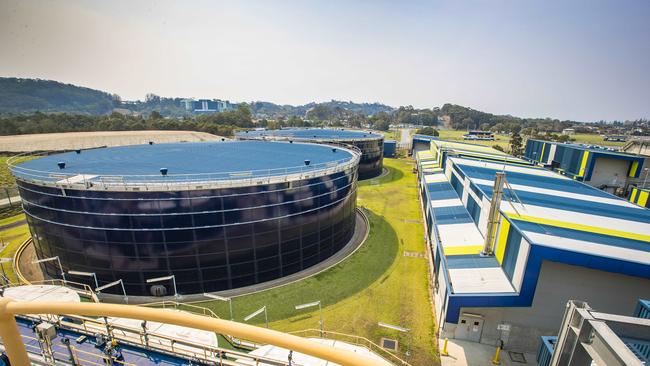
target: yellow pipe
<point>495,360</point>
<point>239,330</point>
<point>10,335</point>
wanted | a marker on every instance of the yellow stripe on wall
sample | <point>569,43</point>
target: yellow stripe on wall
<point>463,250</point>
<point>542,154</point>
<point>633,195</point>
<point>583,165</point>
<point>633,169</point>
<point>643,198</point>
<point>580,227</point>
<point>502,239</point>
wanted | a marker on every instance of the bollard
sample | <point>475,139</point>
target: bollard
<point>495,360</point>
<point>444,348</point>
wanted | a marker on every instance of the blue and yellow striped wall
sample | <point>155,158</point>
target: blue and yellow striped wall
<point>576,161</point>
<point>640,196</point>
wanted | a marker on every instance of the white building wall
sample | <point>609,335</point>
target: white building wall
<point>558,283</point>
<point>608,171</point>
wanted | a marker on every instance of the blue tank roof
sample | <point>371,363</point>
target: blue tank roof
<point>312,133</point>
<point>217,160</point>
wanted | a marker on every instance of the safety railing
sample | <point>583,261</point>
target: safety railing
<point>80,288</point>
<point>18,356</point>
<point>200,310</point>
<point>88,180</point>
<point>353,339</point>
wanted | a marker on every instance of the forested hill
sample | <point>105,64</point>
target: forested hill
<point>26,96</point>
<point>23,96</point>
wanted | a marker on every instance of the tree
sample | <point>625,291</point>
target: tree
<point>155,115</point>
<point>516,144</point>
<point>381,125</point>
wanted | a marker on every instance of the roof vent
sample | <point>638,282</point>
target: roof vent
<point>246,131</point>
<point>334,149</point>
<point>61,164</point>
<point>78,151</point>
<point>222,139</point>
<point>307,162</point>
<point>291,141</point>
<point>163,171</point>
<point>150,142</point>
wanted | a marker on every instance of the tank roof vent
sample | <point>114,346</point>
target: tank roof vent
<point>163,171</point>
<point>61,164</point>
<point>307,162</point>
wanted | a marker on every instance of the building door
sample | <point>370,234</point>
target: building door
<point>469,328</point>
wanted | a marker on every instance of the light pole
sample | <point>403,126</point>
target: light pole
<point>399,329</point>
<point>320,309</point>
<point>58,261</point>
<point>258,312</point>
<point>120,282</point>
<point>222,298</point>
<point>646,176</point>
<point>2,266</point>
<point>85,274</point>
<point>165,278</point>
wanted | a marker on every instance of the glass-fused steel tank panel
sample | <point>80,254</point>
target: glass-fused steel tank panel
<point>211,233</point>
<point>370,144</point>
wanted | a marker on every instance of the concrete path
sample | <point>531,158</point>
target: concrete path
<point>10,201</point>
<point>406,136</point>
<point>466,353</point>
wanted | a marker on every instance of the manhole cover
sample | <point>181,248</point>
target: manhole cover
<point>517,357</point>
<point>389,344</point>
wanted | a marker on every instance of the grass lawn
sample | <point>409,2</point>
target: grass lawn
<point>454,135</point>
<point>392,135</point>
<point>504,140</point>
<point>376,284</point>
<point>6,179</point>
<point>584,138</point>
<point>11,240</point>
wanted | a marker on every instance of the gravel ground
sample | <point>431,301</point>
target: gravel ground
<point>83,140</point>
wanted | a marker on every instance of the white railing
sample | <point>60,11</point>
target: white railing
<point>87,180</point>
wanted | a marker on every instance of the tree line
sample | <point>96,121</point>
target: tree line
<point>222,124</point>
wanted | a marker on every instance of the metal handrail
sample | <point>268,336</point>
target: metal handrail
<point>18,355</point>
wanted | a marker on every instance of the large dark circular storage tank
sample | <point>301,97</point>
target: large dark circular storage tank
<point>370,144</point>
<point>214,215</point>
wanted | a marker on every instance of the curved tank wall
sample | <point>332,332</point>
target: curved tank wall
<point>210,239</point>
<point>370,144</point>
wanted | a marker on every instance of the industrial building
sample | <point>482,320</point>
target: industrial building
<point>600,167</point>
<point>371,144</point>
<point>208,216</point>
<point>512,242</point>
<point>206,105</point>
<point>390,148</point>
<point>588,336</point>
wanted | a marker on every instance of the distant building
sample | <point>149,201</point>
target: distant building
<point>568,131</point>
<point>207,105</point>
<point>619,138</point>
<point>479,135</point>
<point>599,167</point>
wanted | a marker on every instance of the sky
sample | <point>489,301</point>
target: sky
<point>581,60</point>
